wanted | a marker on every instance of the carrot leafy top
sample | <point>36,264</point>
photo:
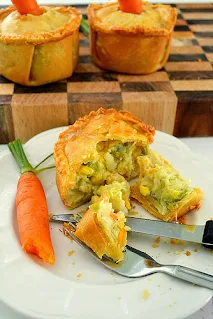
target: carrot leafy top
<point>17,150</point>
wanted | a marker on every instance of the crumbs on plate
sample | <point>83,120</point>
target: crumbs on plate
<point>71,252</point>
<point>187,253</point>
<point>79,276</point>
<point>132,213</point>
<point>145,294</point>
<point>154,246</point>
<point>176,241</point>
<point>68,226</point>
<point>157,240</point>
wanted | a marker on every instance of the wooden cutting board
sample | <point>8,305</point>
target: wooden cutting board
<point>177,99</point>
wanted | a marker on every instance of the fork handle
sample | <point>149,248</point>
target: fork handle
<point>196,277</point>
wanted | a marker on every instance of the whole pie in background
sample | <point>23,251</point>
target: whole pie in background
<point>39,49</point>
<point>131,43</point>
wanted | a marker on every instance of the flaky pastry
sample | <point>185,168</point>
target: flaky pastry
<point>36,50</point>
<point>103,230</point>
<point>100,149</point>
<point>131,43</point>
<point>162,191</point>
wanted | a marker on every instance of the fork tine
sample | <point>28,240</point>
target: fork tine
<point>131,265</point>
<point>73,224</point>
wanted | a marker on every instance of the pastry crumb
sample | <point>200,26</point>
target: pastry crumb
<point>71,252</point>
<point>132,213</point>
<point>187,253</point>
<point>195,250</point>
<point>154,246</point>
<point>68,226</point>
<point>176,241</point>
<point>211,218</point>
<point>119,298</point>
<point>157,240</point>
<point>145,294</point>
<point>79,276</point>
<point>177,252</point>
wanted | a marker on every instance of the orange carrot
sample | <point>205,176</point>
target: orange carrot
<point>122,237</point>
<point>32,210</point>
<point>27,7</point>
<point>131,6</point>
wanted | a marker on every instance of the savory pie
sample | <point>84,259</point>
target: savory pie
<point>103,230</point>
<point>131,43</point>
<point>97,154</point>
<point>162,191</point>
<point>36,50</point>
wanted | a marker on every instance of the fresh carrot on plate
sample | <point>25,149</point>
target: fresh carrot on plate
<point>27,7</point>
<point>131,6</point>
<point>32,210</point>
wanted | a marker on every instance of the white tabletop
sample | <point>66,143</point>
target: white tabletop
<point>201,145</point>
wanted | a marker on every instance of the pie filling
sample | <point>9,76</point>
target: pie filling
<point>16,24</point>
<point>112,224</point>
<point>161,183</point>
<point>151,17</point>
<point>116,163</point>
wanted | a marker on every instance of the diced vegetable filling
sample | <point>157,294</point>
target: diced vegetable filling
<point>116,162</point>
<point>113,224</point>
<point>162,183</point>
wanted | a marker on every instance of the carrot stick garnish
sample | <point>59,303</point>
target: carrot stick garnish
<point>131,6</point>
<point>32,210</point>
<point>27,7</point>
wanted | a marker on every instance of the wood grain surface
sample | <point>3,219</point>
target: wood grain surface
<point>177,99</point>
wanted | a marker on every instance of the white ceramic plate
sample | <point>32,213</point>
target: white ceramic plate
<point>48,292</point>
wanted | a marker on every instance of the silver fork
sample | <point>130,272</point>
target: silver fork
<point>137,264</point>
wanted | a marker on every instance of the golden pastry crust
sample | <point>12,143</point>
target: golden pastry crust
<point>89,231</point>
<point>31,58</point>
<point>189,202</point>
<point>130,49</point>
<point>41,38</point>
<point>77,144</point>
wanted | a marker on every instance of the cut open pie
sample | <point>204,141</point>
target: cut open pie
<point>131,43</point>
<point>96,157</point>
<point>97,151</point>
<point>36,50</point>
<point>162,191</point>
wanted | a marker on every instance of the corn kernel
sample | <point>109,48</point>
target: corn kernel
<point>127,203</point>
<point>86,170</point>
<point>96,180</point>
<point>144,190</point>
